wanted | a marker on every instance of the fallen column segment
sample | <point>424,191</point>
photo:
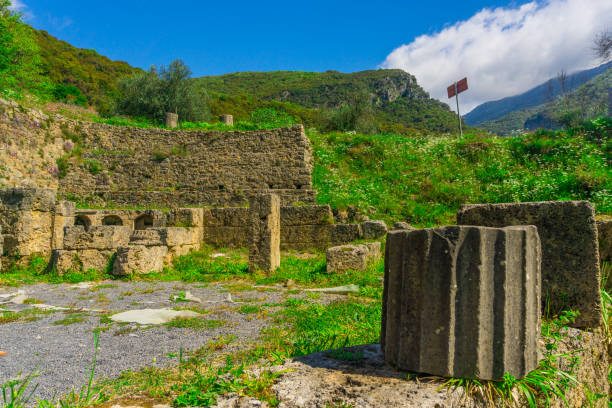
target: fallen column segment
<point>462,301</point>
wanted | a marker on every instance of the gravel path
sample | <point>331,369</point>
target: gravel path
<point>61,354</point>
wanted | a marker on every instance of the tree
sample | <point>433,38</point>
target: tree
<point>167,89</point>
<point>19,55</point>
<point>603,45</point>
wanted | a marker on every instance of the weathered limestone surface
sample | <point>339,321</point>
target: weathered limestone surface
<point>63,260</point>
<point>179,240</point>
<point>351,257</point>
<point>604,233</point>
<point>401,225</point>
<point>26,219</point>
<point>373,229</point>
<point>171,120</point>
<point>139,259</point>
<point>64,217</point>
<point>214,168</point>
<point>302,227</point>
<point>305,226</point>
<point>227,119</point>
<point>264,248</point>
<point>343,233</point>
<point>100,237</point>
<point>462,301</point>
<point>185,217</point>
<point>127,218</point>
<point>570,259</point>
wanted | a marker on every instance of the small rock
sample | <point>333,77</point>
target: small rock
<point>373,229</point>
<point>401,225</point>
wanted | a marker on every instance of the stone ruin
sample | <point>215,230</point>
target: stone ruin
<point>123,241</point>
<point>466,301</point>
<point>462,301</point>
<point>570,250</point>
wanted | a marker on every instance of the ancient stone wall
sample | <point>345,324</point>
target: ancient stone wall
<point>157,167</point>
<point>302,227</point>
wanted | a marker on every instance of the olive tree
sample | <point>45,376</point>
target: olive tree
<point>165,89</point>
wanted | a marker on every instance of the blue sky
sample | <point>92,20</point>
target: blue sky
<point>436,41</point>
<point>216,37</point>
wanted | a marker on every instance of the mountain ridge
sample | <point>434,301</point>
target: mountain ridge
<point>531,98</point>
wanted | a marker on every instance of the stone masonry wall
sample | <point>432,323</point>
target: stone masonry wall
<point>302,227</point>
<point>157,167</point>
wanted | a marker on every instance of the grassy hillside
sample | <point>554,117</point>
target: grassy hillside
<point>94,74</point>
<point>589,100</point>
<point>398,103</point>
<point>424,180</point>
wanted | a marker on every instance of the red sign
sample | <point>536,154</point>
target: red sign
<point>457,87</point>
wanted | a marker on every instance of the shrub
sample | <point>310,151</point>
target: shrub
<point>152,94</point>
<point>69,94</point>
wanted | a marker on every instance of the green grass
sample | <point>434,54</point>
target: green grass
<point>70,319</point>
<point>424,180</point>
<point>195,323</point>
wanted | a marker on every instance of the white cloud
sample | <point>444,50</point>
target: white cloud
<point>505,51</point>
<point>18,5</point>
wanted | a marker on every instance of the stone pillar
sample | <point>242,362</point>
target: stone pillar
<point>26,219</point>
<point>63,217</point>
<point>570,253</point>
<point>462,301</point>
<point>171,120</point>
<point>264,232</point>
<point>227,119</point>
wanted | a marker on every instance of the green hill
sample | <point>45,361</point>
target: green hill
<point>397,102</point>
<point>94,74</point>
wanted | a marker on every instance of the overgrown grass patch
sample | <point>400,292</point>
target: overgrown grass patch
<point>195,323</point>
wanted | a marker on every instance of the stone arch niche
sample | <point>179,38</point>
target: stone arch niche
<point>143,222</point>
<point>112,220</point>
<point>83,220</point>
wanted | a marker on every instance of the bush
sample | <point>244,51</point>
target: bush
<point>152,94</point>
<point>69,94</point>
<point>354,115</point>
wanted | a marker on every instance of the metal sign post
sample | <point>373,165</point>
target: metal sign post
<point>454,90</point>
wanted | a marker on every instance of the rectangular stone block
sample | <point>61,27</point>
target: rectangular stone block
<point>462,301</point>
<point>345,233</point>
<point>570,259</point>
<point>100,237</point>
<point>305,236</point>
<point>80,260</point>
<point>64,214</point>
<point>306,215</point>
<point>27,232</point>
<point>231,216</point>
<point>27,199</point>
<point>264,248</point>
<point>139,259</point>
<point>226,237</point>
<point>346,257</point>
<point>186,217</point>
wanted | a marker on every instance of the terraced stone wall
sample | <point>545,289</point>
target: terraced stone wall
<point>125,166</point>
